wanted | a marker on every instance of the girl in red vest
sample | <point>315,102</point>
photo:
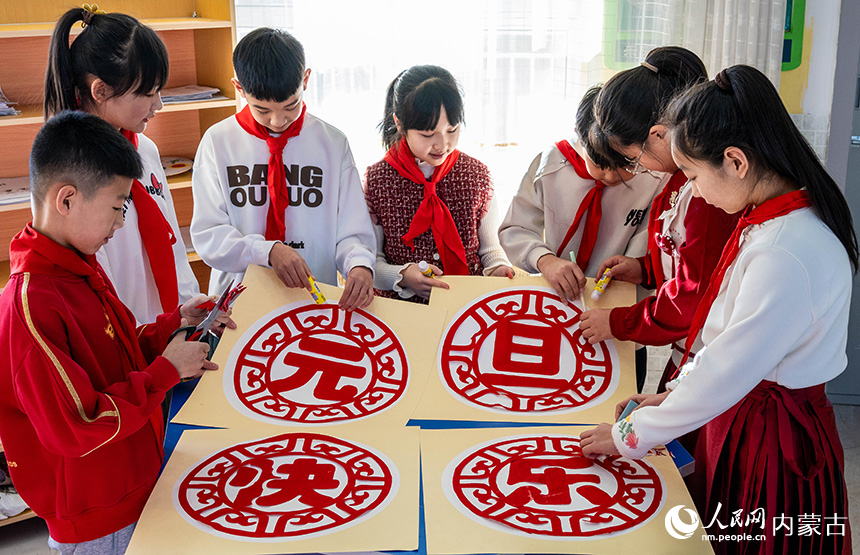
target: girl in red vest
<point>429,201</point>
<point>115,69</point>
<point>685,234</point>
<point>774,322</point>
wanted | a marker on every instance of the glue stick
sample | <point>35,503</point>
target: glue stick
<point>317,295</point>
<point>601,284</point>
<point>425,269</point>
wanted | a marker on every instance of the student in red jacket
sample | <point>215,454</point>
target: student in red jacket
<point>80,387</point>
<point>685,234</point>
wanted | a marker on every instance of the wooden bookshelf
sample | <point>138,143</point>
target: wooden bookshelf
<point>200,50</point>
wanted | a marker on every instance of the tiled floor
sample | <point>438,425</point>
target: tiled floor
<point>29,537</point>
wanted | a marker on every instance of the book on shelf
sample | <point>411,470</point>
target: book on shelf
<point>6,106</point>
<point>190,93</point>
<point>14,190</point>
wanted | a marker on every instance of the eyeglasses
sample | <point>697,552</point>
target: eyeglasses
<point>635,166</point>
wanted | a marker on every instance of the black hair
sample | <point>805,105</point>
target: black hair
<point>631,101</point>
<point>114,47</point>
<point>584,121</point>
<point>82,149</point>
<point>745,111</point>
<point>269,64</point>
<point>416,97</point>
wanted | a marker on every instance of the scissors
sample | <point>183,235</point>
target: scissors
<point>202,332</point>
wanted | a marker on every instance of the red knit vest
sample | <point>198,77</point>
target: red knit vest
<point>466,191</point>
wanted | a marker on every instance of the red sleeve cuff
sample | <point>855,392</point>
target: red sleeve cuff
<point>164,374</point>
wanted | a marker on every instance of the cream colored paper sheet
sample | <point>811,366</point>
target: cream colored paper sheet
<point>379,374</point>
<point>392,523</point>
<point>530,490</point>
<point>509,353</point>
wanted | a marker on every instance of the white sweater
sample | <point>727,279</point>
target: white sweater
<point>124,258</point>
<point>781,315</point>
<point>327,221</point>
<point>549,196</point>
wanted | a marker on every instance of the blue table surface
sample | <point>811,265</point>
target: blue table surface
<point>182,391</point>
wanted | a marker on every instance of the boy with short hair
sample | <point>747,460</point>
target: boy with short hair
<point>276,186</point>
<point>80,387</point>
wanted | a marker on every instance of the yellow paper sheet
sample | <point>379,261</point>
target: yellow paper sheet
<point>268,388</point>
<point>516,359</point>
<point>165,528</point>
<point>522,484</point>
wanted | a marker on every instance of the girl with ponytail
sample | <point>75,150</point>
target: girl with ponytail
<point>428,201</point>
<point>115,69</point>
<point>774,323</point>
<point>685,234</point>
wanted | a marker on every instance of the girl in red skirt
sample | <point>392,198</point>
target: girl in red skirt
<point>774,326</point>
<point>429,201</point>
<point>685,234</point>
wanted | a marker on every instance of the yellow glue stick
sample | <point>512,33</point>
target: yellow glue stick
<point>601,284</point>
<point>425,269</point>
<point>317,295</point>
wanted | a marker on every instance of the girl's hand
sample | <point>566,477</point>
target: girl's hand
<point>598,441</point>
<point>564,275</point>
<point>358,290</point>
<point>622,268</point>
<point>502,271</point>
<point>290,266</point>
<point>594,325</point>
<point>643,400</point>
<point>419,283</point>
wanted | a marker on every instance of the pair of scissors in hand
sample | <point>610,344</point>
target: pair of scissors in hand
<point>203,331</point>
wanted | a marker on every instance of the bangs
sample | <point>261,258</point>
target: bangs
<point>424,106</point>
<point>148,64</point>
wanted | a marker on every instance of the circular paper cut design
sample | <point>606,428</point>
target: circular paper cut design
<point>316,364</point>
<point>544,486</point>
<point>520,350</point>
<point>291,486</point>
<point>174,165</point>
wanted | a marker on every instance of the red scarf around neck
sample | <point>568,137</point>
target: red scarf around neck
<point>54,259</point>
<point>432,213</point>
<point>276,179</point>
<point>654,253</point>
<point>591,203</point>
<point>158,240</point>
<point>753,215</point>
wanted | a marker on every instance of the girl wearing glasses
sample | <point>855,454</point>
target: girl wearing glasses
<point>685,234</point>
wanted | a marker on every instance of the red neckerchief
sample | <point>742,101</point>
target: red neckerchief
<point>33,252</point>
<point>753,215</point>
<point>276,179</point>
<point>158,240</point>
<point>432,212</point>
<point>654,253</point>
<point>591,203</point>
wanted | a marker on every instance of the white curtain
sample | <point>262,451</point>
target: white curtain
<point>523,64</point>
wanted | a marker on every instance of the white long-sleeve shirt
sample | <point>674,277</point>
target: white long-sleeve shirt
<point>545,205</point>
<point>124,257</point>
<point>781,315</point>
<point>327,221</point>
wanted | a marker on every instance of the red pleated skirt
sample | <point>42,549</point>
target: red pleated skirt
<point>777,450</point>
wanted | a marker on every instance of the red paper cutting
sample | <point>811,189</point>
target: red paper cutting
<point>320,364</point>
<point>522,351</point>
<point>544,485</point>
<point>285,487</point>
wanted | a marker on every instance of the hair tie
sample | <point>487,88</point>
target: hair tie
<point>89,12</point>
<point>652,67</point>
<point>723,82</point>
